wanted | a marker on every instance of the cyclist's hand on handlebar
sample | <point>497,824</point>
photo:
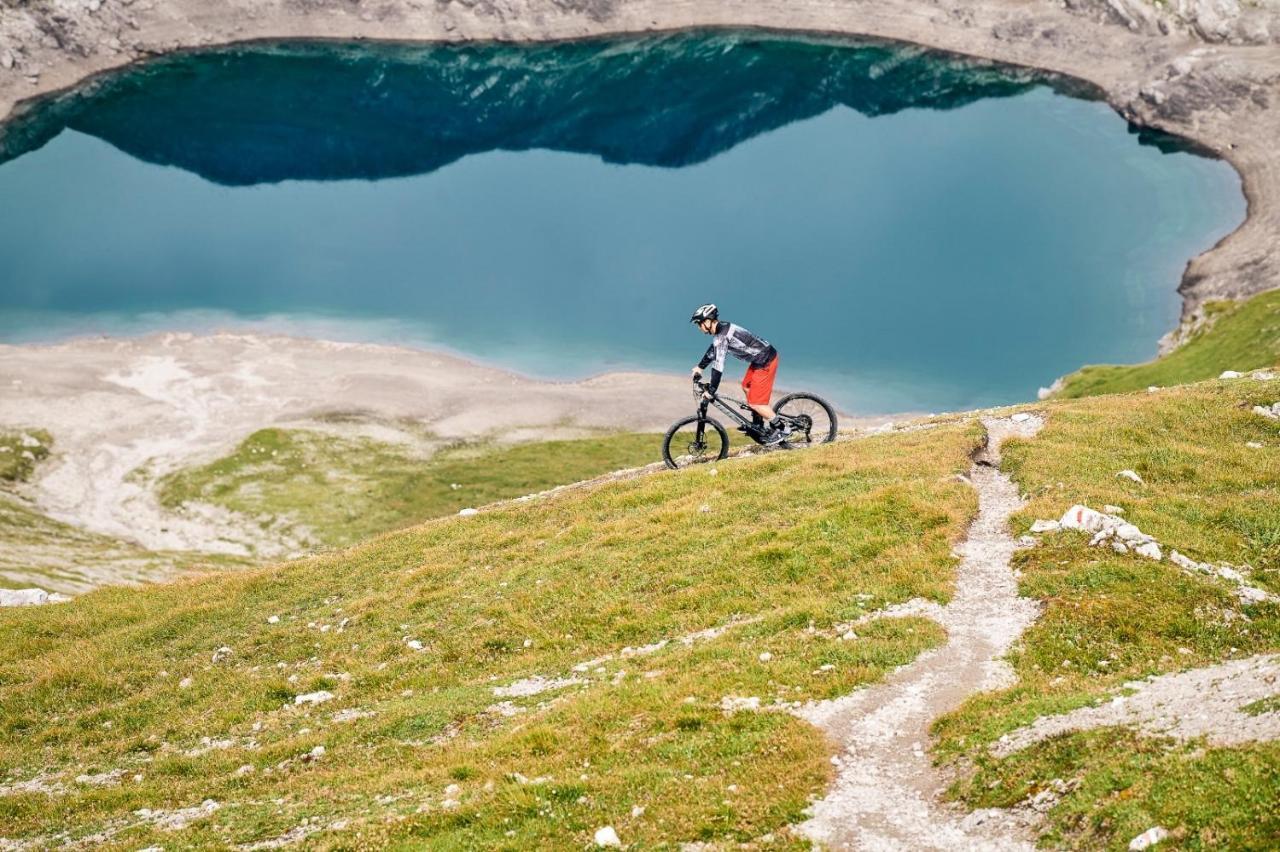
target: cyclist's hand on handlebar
<point>697,373</point>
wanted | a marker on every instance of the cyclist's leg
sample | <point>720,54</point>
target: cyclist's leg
<point>758,385</point>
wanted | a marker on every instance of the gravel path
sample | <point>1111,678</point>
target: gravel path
<point>886,794</point>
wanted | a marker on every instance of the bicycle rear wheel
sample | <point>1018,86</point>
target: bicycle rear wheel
<point>694,440</point>
<point>813,420</point>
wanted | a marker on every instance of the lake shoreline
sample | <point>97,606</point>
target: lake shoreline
<point>1178,75</point>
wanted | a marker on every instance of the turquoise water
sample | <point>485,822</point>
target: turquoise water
<point>912,232</point>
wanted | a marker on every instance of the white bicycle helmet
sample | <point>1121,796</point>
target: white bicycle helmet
<point>705,312</point>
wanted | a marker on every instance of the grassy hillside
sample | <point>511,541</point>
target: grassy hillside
<point>1111,618</point>
<point>121,686</point>
<point>119,715</point>
<point>345,489</point>
<point>1243,336</point>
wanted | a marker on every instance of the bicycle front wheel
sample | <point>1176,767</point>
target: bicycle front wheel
<point>694,440</point>
<point>813,420</point>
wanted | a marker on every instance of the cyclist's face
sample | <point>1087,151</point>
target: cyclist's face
<point>707,326</point>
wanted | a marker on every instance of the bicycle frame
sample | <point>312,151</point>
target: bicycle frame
<point>721,403</point>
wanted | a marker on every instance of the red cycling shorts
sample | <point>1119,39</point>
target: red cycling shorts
<point>758,382</point>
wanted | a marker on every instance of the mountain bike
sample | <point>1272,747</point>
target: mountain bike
<point>701,438</point>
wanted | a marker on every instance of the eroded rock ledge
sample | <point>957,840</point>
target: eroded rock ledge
<point>1206,70</point>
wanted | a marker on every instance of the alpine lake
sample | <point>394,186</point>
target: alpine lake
<point>913,231</point>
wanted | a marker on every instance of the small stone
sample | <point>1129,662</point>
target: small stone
<point>1230,374</point>
<point>1131,475</point>
<point>185,683</point>
<point>637,811</point>
<point>414,644</point>
<point>275,619</point>
<point>221,654</point>
<point>765,656</point>
<point>317,697</point>
<point>1253,445</point>
<point>1148,838</point>
<point>607,837</point>
<point>468,512</point>
<point>1151,550</point>
<point>1266,412</point>
<point>247,769</point>
<point>1113,510</point>
<point>1020,417</point>
<point>712,472</point>
<point>848,636</point>
<point>704,508</point>
<point>6,60</point>
<point>1042,526</point>
<point>1152,388</point>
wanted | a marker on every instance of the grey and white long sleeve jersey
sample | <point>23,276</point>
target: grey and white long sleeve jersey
<point>735,340</point>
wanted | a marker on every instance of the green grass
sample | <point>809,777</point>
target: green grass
<point>798,541</point>
<point>343,490</point>
<point>1242,336</point>
<point>1111,618</point>
<point>20,452</point>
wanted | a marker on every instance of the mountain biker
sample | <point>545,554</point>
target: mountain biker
<point>762,358</point>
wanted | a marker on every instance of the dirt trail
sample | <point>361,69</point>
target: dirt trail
<point>886,794</point>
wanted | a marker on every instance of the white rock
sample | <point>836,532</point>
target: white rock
<point>1020,417</point>
<point>1186,563</point>
<point>1148,838</point>
<point>275,619</point>
<point>6,60</point>
<point>1152,388</point>
<point>849,636</point>
<point>1250,594</point>
<point>221,654</point>
<point>1042,526</point>
<point>765,656</point>
<point>1113,510</point>
<point>1083,518</point>
<point>317,697</point>
<point>607,837</point>
<point>317,752</point>
<point>29,441</point>
<point>1229,374</point>
<point>414,644</point>
<point>1129,532</point>
<point>1253,445</point>
<point>1226,572</point>
<point>1269,413</point>
<point>185,683</point>
<point>23,597</point>
<point>1129,474</point>
<point>637,811</point>
<point>1119,547</point>
<point>734,703</point>
<point>1151,550</point>
<point>247,769</point>
<point>468,512</point>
